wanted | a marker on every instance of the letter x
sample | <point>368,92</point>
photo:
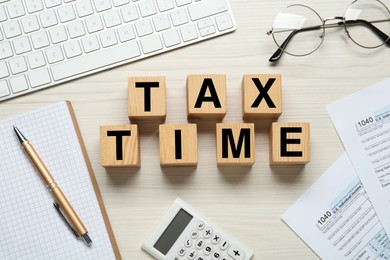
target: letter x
<point>263,94</point>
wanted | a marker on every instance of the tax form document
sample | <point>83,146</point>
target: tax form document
<point>362,121</point>
<point>336,219</point>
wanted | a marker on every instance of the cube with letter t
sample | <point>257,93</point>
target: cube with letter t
<point>147,98</point>
<point>119,146</point>
<point>289,143</point>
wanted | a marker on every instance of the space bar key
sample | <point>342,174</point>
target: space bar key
<point>95,61</point>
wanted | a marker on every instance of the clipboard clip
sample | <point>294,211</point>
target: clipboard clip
<point>64,218</point>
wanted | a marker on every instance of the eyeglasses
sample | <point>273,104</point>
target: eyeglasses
<point>298,30</point>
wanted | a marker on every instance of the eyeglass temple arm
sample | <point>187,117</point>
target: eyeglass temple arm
<point>279,52</point>
<point>384,37</point>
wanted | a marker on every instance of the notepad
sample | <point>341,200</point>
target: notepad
<point>30,227</point>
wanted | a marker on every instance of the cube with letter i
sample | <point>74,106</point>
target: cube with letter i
<point>147,98</point>
<point>120,146</point>
<point>178,145</point>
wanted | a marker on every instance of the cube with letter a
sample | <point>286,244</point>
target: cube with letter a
<point>178,145</point>
<point>120,146</point>
<point>235,144</point>
<point>262,96</point>
<point>147,98</point>
<point>206,96</point>
<point>289,143</point>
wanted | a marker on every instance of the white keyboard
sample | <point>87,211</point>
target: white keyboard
<point>47,42</point>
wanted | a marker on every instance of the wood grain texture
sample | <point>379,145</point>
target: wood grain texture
<point>245,202</point>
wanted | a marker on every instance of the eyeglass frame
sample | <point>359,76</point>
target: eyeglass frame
<point>279,52</point>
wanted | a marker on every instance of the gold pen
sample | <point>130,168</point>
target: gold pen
<point>62,204</point>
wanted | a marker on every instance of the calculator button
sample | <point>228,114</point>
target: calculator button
<point>181,251</point>
<point>175,258</point>
<point>216,238</point>
<point>191,254</point>
<point>194,234</point>
<point>207,232</point>
<point>201,257</point>
<point>236,253</point>
<point>188,243</point>
<point>207,250</point>
<point>225,257</point>
<point>200,243</point>
<point>224,244</point>
<point>200,225</point>
<point>216,255</point>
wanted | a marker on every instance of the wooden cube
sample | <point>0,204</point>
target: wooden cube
<point>147,98</point>
<point>235,144</point>
<point>206,96</point>
<point>262,96</point>
<point>119,146</point>
<point>178,145</point>
<point>289,143</point>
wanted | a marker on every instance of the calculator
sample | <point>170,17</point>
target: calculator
<point>184,233</point>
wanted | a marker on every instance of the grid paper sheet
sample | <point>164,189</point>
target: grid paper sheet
<point>30,227</point>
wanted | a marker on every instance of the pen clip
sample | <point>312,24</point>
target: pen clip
<point>64,218</point>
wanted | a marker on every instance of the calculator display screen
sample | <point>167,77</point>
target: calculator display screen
<point>173,231</point>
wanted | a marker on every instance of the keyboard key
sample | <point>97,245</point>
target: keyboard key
<point>206,27</point>
<point>48,18</point>
<point>12,29</point>
<point>5,50</point>
<point>72,49</point>
<point>18,84</point>
<point>171,38</point>
<point>126,33</point>
<point>22,45</point>
<point>94,24</point>
<point>84,8</point>
<point>151,44</point>
<point>147,8</point>
<point>143,27</point>
<point>108,38</point>
<point>188,32</point>
<point>4,90</point>
<point>3,15</point>
<point>39,77</point>
<point>34,6</point>
<point>207,8</point>
<point>96,60</point>
<point>90,44</point>
<point>40,39</point>
<point>120,2</point>
<point>3,70</point>
<point>111,18</point>
<point>183,2</point>
<point>36,60</point>
<point>161,22</point>
<point>129,13</point>
<point>15,9</point>
<point>30,24</point>
<point>164,5</point>
<point>207,31</point>
<point>66,13</point>
<point>224,22</point>
<point>58,34</point>
<point>52,3</point>
<point>76,29</point>
<point>54,54</point>
<point>179,17</point>
<point>102,5</point>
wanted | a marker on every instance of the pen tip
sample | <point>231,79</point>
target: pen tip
<point>19,135</point>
